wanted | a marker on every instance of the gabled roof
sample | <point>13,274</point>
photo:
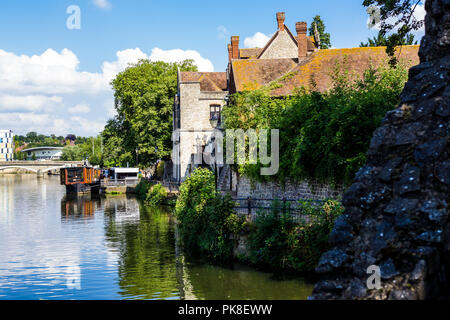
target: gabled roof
<point>209,81</point>
<point>311,46</point>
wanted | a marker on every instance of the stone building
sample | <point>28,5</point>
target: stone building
<point>289,60</point>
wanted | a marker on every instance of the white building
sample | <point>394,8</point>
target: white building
<point>43,153</point>
<point>6,145</point>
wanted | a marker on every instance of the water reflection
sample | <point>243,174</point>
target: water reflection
<point>57,247</point>
<point>79,207</point>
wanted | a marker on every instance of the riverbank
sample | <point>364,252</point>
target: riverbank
<point>270,239</point>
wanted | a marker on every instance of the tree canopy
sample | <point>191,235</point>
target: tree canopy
<point>141,132</point>
<point>396,16</point>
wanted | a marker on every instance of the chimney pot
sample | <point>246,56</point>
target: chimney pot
<point>281,16</point>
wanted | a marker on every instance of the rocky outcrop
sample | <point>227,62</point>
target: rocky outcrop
<point>397,210</point>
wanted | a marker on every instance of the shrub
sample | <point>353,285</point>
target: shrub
<point>206,219</point>
<point>142,189</point>
<point>275,241</point>
<point>156,195</point>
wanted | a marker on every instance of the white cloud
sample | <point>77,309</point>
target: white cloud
<point>258,40</point>
<point>222,32</point>
<point>28,103</point>
<point>49,73</point>
<point>102,4</point>
<point>178,55</point>
<point>80,108</point>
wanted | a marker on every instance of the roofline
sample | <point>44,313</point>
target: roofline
<point>42,148</point>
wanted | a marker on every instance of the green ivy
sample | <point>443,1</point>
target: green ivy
<point>324,136</point>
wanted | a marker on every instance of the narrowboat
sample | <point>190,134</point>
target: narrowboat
<point>81,180</point>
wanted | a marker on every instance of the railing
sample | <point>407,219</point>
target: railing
<point>250,207</point>
<point>119,182</point>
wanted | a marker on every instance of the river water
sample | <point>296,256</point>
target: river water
<point>55,247</point>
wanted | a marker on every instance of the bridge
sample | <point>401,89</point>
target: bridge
<point>39,167</point>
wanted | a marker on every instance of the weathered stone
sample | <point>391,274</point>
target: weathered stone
<point>401,205</point>
<point>431,236</point>
<point>342,231</point>
<point>386,172</point>
<point>388,270</point>
<point>429,151</point>
<point>409,153</point>
<point>443,172</point>
<point>435,209</point>
<point>409,180</point>
<point>331,260</point>
<point>402,295</point>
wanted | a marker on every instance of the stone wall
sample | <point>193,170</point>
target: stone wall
<point>291,191</point>
<point>282,47</point>
<point>396,219</point>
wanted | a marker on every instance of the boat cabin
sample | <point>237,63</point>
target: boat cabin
<point>79,175</point>
<point>124,174</point>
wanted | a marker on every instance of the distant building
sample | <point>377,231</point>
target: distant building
<point>43,153</point>
<point>6,145</point>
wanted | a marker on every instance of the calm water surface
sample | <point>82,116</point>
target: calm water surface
<point>54,247</point>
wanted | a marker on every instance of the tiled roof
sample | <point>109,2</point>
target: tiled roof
<point>209,81</point>
<point>252,74</point>
<point>250,52</point>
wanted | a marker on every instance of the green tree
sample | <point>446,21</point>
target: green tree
<point>144,99</point>
<point>396,16</point>
<point>325,38</point>
<point>384,41</point>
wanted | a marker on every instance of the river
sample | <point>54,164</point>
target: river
<point>104,248</point>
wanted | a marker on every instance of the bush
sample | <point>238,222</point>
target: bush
<point>275,241</point>
<point>156,195</point>
<point>206,219</point>
<point>142,189</point>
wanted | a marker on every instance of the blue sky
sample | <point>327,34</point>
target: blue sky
<point>64,87</point>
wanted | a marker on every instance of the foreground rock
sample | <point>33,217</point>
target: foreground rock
<point>397,210</point>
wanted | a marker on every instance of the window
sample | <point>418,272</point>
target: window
<point>215,110</point>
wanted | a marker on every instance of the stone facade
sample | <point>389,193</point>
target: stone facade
<point>192,110</point>
<point>290,191</point>
<point>282,46</point>
<point>396,219</point>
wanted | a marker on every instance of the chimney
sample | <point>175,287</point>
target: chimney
<point>235,47</point>
<point>281,16</point>
<point>230,52</point>
<point>301,28</point>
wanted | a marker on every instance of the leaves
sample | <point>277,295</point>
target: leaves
<point>323,136</point>
<point>143,100</point>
